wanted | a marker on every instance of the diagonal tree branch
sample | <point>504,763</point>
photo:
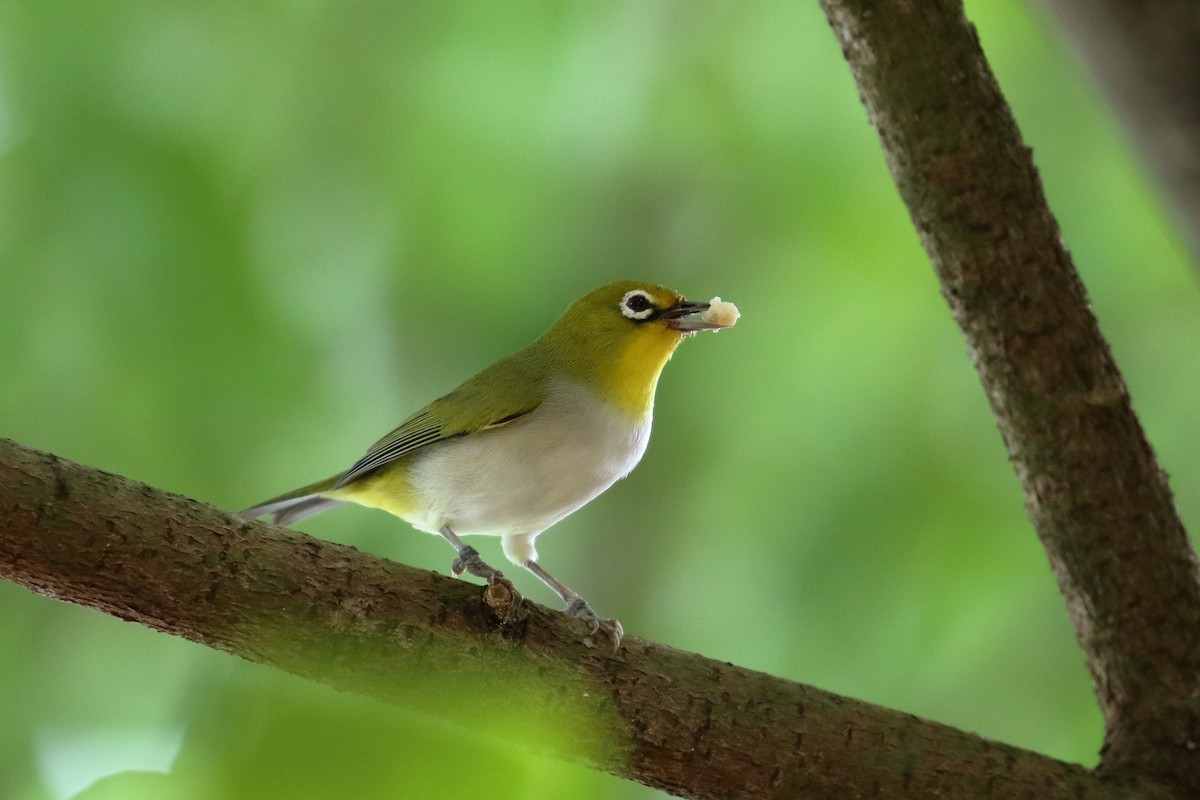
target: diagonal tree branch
<point>1093,488</point>
<point>669,719</point>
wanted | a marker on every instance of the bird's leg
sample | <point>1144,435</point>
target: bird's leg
<point>576,605</point>
<point>469,561</point>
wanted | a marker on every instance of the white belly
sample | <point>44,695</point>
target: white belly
<point>521,478</point>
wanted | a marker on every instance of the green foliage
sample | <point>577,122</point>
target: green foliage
<point>240,241</point>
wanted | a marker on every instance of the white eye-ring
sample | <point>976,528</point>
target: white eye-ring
<point>637,305</point>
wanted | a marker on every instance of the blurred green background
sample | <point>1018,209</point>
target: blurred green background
<point>239,241</point>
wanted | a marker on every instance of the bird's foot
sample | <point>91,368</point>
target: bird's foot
<point>579,609</point>
<point>469,561</point>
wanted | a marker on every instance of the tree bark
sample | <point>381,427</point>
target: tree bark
<point>1093,488</point>
<point>672,720</point>
<point>1146,58</point>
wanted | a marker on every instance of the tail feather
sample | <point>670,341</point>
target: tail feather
<point>296,505</point>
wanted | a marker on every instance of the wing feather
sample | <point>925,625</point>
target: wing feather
<point>415,432</point>
<point>500,394</point>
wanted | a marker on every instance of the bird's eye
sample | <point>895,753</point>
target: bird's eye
<point>637,305</point>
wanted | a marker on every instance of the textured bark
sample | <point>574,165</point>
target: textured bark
<point>1146,57</point>
<point>669,719</point>
<point>1093,488</point>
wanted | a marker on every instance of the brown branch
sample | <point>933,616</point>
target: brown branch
<point>1094,491</point>
<point>1146,57</point>
<point>669,719</point>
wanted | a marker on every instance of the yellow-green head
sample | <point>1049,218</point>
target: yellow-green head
<point>618,338</point>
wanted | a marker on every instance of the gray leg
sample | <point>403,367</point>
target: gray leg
<point>469,561</point>
<point>577,606</point>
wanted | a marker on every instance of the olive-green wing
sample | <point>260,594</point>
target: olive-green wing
<point>500,394</point>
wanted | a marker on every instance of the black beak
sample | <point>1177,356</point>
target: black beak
<point>682,317</point>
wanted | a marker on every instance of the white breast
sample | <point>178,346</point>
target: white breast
<point>522,477</point>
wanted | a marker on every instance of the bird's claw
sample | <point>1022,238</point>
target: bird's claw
<point>469,561</point>
<point>579,609</point>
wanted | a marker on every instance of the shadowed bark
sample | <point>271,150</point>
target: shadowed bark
<point>1145,56</point>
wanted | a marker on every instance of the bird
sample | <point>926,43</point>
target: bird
<point>530,439</point>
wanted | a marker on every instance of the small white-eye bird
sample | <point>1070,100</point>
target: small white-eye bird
<point>528,440</point>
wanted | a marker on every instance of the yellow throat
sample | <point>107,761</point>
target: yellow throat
<point>619,357</point>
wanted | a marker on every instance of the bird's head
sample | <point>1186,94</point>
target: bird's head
<point>618,338</point>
